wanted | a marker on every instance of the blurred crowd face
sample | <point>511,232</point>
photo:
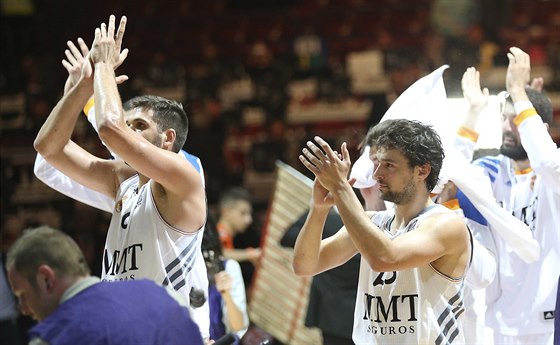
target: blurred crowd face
<point>239,215</point>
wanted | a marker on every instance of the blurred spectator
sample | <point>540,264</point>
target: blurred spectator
<point>226,291</point>
<point>338,284</point>
<point>235,217</point>
<point>49,276</point>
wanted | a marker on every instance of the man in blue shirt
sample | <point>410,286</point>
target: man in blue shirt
<point>49,275</point>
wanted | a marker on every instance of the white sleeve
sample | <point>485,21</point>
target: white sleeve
<point>542,151</point>
<point>55,179</point>
<point>474,183</point>
<point>465,146</point>
<point>483,266</point>
<point>237,294</point>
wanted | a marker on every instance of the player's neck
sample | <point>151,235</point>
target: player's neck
<point>405,212</point>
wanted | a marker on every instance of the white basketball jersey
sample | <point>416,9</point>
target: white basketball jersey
<point>414,306</point>
<point>527,291</point>
<point>140,244</point>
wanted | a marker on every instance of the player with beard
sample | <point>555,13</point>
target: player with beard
<point>525,179</point>
<point>160,205</point>
<point>413,257</point>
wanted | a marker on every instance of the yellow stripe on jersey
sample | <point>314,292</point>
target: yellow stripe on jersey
<point>523,115</point>
<point>88,105</point>
<point>523,171</point>
<point>452,204</point>
<point>468,133</point>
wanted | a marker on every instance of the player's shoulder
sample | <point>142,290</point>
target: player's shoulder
<point>444,218</point>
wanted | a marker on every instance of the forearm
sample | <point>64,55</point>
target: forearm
<point>235,319</point>
<point>57,129</point>
<point>471,119</point>
<point>308,242</point>
<point>108,105</point>
<point>55,179</point>
<point>374,247</point>
<point>541,149</point>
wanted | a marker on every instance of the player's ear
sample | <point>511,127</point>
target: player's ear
<point>169,138</point>
<point>424,171</point>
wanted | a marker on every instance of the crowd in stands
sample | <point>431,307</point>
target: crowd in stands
<point>241,67</point>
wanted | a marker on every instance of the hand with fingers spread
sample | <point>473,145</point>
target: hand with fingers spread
<point>477,97</point>
<point>106,47</point>
<point>330,168</point>
<point>74,61</point>
<point>78,65</point>
<point>470,83</point>
<point>518,72</point>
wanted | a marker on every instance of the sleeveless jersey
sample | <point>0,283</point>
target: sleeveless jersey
<point>140,244</point>
<point>104,314</point>
<point>414,306</point>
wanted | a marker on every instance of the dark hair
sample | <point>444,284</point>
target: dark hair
<point>233,194</point>
<point>418,142</point>
<point>46,246</point>
<point>373,132</point>
<point>167,114</point>
<point>541,102</point>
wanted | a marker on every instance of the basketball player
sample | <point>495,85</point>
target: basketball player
<point>55,179</point>
<point>414,256</point>
<point>160,210</point>
<point>525,179</point>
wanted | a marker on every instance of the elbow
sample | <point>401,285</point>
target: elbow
<point>107,130</point>
<point>382,264</point>
<point>381,267</point>
<point>39,144</point>
<point>42,147</point>
<point>302,270</point>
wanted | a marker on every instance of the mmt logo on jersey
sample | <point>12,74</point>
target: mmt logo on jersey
<point>122,261</point>
<point>384,315</point>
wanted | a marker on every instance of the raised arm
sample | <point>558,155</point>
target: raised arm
<point>312,255</point>
<point>178,181</point>
<point>43,170</point>
<point>543,153</point>
<point>54,142</point>
<point>438,236</point>
<point>477,99</point>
